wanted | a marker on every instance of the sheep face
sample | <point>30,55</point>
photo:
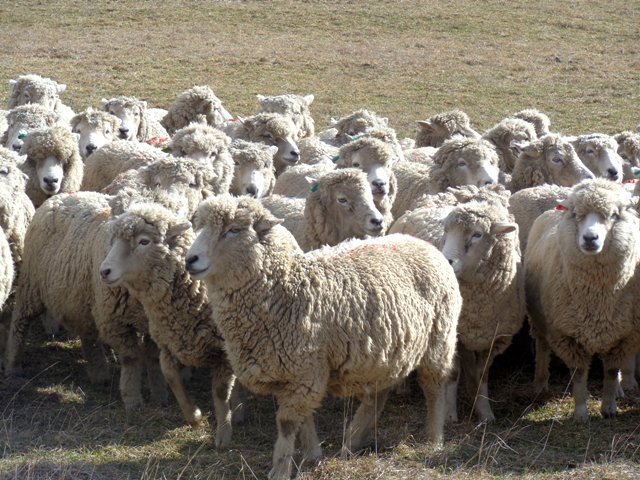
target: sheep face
<point>564,166</point>
<point>23,120</point>
<point>96,129</point>
<point>295,107</point>
<point>600,154</point>
<point>253,172</point>
<point>33,89</point>
<point>439,128</point>
<point>130,114</point>
<point>359,122</point>
<point>137,242</point>
<point>199,142</point>
<point>469,239</point>
<point>276,130</point>
<point>377,171</point>
<point>629,151</point>
<point>50,172</point>
<point>462,163</point>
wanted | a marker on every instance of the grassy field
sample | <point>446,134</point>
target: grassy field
<point>577,61</point>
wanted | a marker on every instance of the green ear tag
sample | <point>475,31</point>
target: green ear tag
<point>21,136</point>
<point>335,159</point>
<point>314,186</point>
<point>636,173</point>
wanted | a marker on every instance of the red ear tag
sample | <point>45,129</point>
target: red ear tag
<point>561,208</point>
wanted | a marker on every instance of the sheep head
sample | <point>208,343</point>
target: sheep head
<point>131,113</point>
<point>24,119</point>
<point>253,173</point>
<point>599,152</point>
<point>443,126</point>
<point>95,128</point>
<point>32,89</point>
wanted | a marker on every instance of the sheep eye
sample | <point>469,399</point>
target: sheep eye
<point>590,151</point>
<point>556,160</point>
<point>193,185</point>
<point>144,241</point>
<point>462,164</point>
<point>615,216</point>
<point>4,172</point>
<point>236,163</point>
<point>476,235</point>
<point>624,156</point>
<point>107,132</point>
<point>232,232</point>
<point>356,165</point>
<point>342,200</point>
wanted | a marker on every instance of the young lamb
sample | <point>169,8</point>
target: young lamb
<point>581,287</point>
<point>338,320</point>
<point>356,123</point>
<point>96,128</point>
<point>539,120</point>
<point>31,89</point>
<point>147,257</point>
<point>295,107</point>
<point>53,163</point>
<point>24,119</point>
<point>629,151</point>
<point>195,105</point>
<point>135,124</point>
<point>459,161</point>
<point>271,129</point>
<point>375,158</point>
<point>434,131</point>
<point>253,173</point>
<point>550,159</point>
<point>599,152</point>
<point>506,133</point>
<point>340,206</point>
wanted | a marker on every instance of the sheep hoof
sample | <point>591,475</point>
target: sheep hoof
<point>609,410</point>
<point>581,416</point>
<point>223,436</point>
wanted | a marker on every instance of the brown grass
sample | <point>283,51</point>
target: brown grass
<point>407,60</point>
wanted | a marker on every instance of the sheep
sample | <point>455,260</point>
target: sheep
<point>528,204</point>
<point>96,128</point>
<point>294,181</point>
<point>459,161</point>
<point>147,257</point>
<point>135,124</point>
<point>114,158</point>
<point>31,89</point>
<point>294,106</point>
<point>599,152</point>
<point>206,144</point>
<point>3,121</point>
<point>271,129</point>
<point>550,159</point>
<point>253,173</point>
<point>481,243</point>
<point>375,158</point>
<point>581,287</point>
<point>7,275</point>
<point>340,206</point>
<point>337,321</point>
<point>344,129</point>
<point>629,151</point>
<point>193,105</point>
<point>504,134</point>
<point>434,131</point>
<point>53,163</point>
<point>388,136</point>
<point>420,155</point>
<point>539,120</point>
<point>314,151</point>
<point>24,119</point>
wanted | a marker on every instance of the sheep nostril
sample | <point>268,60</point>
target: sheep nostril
<point>104,273</point>
<point>192,259</point>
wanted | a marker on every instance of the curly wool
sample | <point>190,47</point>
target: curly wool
<point>191,105</point>
<point>434,131</point>
<point>629,150</point>
<point>43,91</point>
<point>148,128</point>
<point>25,118</point>
<point>254,157</point>
<point>539,120</point>
<point>294,106</point>
<point>504,133</point>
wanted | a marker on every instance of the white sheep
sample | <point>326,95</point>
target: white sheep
<point>147,257</point>
<point>53,163</point>
<point>96,128</point>
<point>629,151</point>
<point>434,131</point>
<point>581,287</point>
<point>340,206</point>
<point>24,119</point>
<point>253,172</point>
<point>294,181</point>
<point>294,106</point>
<point>314,151</point>
<point>135,124</point>
<point>504,134</point>
<point>539,120</point>
<point>348,320</point>
<point>343,130</point>
<point>197,104</point>
<point>33,88</point>
<point>599,152</point>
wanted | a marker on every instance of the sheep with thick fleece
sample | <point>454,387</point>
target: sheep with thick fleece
<point>459,161</point>
<point>340,206</point>
<point>96,128</point>
<point>24,119</point>
<point>434,131</point>
<point>294,106</point>
<point>135,124</point>
<point>348,320</point>
<point>347,127</point>
<point>504,134</point>
<point>375,158</point>
<point>270,129</point>
<point>314,151</point>
<point>294,181</point>
<point>539,120</point>
<point>529,203</point>
<point>31,89</point>
<point>629,151</point>
<point>581,287</point>
<point>147,257</point>
<point>253,172</point>
<point>549,159</point>
<point>196,104</point>
<point>53,163</point>
<point>599,152</point>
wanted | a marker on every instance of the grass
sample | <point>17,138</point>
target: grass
<point>577,61</point>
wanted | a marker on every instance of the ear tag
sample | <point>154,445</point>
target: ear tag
<point>315,187</point>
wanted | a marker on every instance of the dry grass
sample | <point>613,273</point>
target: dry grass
<point>406,60</point>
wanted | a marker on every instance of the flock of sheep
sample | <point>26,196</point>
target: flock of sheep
<point>310,273</point>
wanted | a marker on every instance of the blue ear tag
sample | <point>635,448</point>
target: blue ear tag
<point>314,186</point>
<point>335,159</point>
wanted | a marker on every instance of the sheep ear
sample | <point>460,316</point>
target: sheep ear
<point>260,98</point>
<point>144,104</point>
<point>562,205</point>
<point>266,223</point>
<point>61,87</point>
<point>12,83</point>
<point>248,124</point>
<point>309,99</point>
<point>519,147</point>
<point>333,122</point>
<point>500,228</point>
<point>176,230</point>
<point>273,149</point>
<point>74,122</point>
<point>425,125</point>
<point>385,121</point>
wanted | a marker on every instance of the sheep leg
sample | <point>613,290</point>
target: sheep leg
<point>608,407</point>
<point>434,392</point>
<point>628,370</point>
<point>483,407</point>
<point>155,378</point>
<point>93,353</point>
<point>237,401</point>
<point>580,394</point>
<point>130,382</point>
<point>543,359</point>
<point>20,320</point>
<point>222,380</point>
<point>364,420</point>
<point>451,392</point>
<point>309,439</point>
<point>289,419</point>
<point>468,367</point>
<point>171,371</point>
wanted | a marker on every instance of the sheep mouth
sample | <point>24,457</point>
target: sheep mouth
<point>197,273</point>
<point>590,248</point>
<point>379,192</point>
